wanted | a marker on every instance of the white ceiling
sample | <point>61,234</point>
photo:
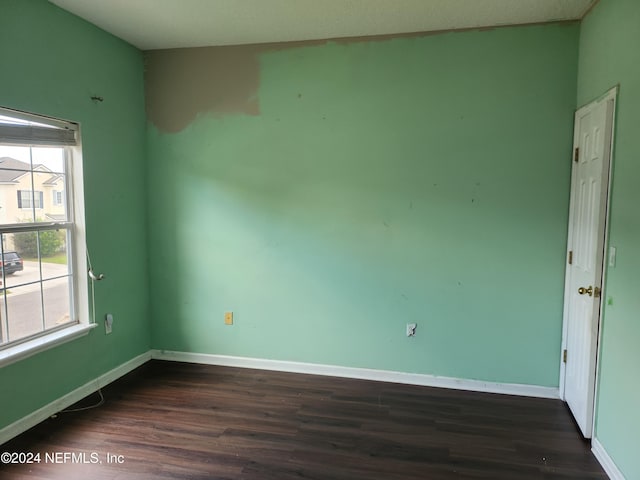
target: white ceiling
<point>156,24</point>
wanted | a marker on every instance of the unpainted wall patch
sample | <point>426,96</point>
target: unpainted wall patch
<point>181,83</point>
<point>184,82</point>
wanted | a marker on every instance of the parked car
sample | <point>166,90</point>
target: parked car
<point>11,263</point>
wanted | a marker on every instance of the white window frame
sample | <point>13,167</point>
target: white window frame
<point>58,198</point>
<point>81,323</point>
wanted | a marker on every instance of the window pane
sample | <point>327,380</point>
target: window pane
<point>53,253</point>
<point>32,184</point>
<point>18,153</point>
<point>56,302</point>
<point>23,314</point>
<point>50,158</point>
<point>15,269</point>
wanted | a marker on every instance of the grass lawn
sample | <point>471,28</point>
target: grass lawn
<point>60,259</point>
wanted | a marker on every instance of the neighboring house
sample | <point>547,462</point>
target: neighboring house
<point>22,197</point>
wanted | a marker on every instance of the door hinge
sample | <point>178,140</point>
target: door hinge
<point>564,356</point>
<point>576,154</point>
<point>570,257</point>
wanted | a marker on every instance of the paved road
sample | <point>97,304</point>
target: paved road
<point>24,302</point>
<point>31,273</point>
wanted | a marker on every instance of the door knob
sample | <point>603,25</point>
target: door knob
<point>588,291</point>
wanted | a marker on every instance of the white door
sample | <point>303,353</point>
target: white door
<point>587,223</point>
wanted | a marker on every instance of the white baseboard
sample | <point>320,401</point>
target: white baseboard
<point>605,460</point>
<point>359,373</point>
<point>34,418</point>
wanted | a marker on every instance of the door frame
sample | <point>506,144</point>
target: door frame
<point>611,94</point>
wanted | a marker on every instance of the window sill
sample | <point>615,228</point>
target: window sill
<point>26,349</point>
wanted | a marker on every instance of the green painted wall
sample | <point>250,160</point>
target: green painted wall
<point>415,179</point>
<point>609,40</point>
<point>51,63</point>
<point>377,183</point>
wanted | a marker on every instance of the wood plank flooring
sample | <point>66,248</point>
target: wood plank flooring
<point>182,421</point>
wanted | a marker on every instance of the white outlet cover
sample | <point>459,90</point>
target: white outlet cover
<point>108,323</point>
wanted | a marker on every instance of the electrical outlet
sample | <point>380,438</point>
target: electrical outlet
<point>411,329</point>
<point>228,318</point>
<point>108,323</point>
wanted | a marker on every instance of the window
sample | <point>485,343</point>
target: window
<point>43,288</point>
<point>29,199</point>
<point>57,197</point>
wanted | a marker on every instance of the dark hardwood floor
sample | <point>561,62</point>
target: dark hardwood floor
<point>183,421</point>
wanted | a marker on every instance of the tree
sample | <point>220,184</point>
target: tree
<point>51,242</point>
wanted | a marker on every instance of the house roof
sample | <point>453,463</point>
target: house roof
<point>53,180</point>
<point>12,169</point>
